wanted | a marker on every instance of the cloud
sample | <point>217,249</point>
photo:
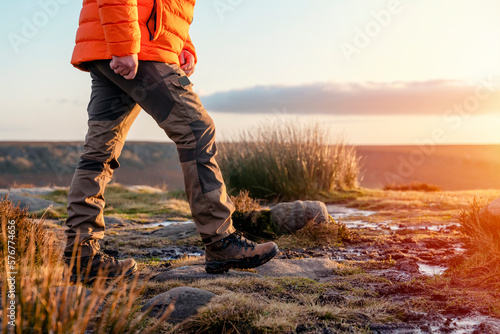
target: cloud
<point>395,98</point>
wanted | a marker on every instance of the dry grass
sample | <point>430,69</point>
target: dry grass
<point>37,296</point>
<point>316,235</point>
<point>284,160</point>
<point>480,265</point>
<point>243,203</point>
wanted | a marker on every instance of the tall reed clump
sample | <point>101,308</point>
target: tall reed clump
<point>37,297</point>
<point>287,160</point>
<point>480,265</point>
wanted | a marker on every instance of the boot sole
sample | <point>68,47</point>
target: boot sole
<point>92,276</point>
<point>219,267</point>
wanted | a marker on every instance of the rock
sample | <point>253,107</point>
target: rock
<point>436,243</point>
<point>186,300</point>
<point>409,266</point>
<point>117,222</point>
<point>145,189</point>
<point>32,191</point>
<point>176,232</point>
<point>33,203</point>
<point>313,268</point>
<point>292,216</point>
<point>195,272</point>
<point>490,217</point>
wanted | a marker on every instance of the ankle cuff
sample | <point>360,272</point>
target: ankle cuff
<point>213,239</point>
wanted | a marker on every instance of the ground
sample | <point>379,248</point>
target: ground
<point>389,277</point>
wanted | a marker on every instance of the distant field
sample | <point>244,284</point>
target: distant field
<point>456,167</point>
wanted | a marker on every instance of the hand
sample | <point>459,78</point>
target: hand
<point>187,62</point>
<point>125,66</point>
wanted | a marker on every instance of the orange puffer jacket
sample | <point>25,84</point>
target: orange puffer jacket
<point>154,29</point>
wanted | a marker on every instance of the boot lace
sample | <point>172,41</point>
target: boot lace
<point>237,240</point>
<point>104,257</point>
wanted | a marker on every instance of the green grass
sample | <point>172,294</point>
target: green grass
<point>132,204</point>
<point>288,161</point>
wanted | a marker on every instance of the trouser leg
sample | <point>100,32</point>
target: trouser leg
<point>165,93</point>
<point>111,113</point>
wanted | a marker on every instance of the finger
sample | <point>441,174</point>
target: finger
<point>191,62</point>
<point>189,65</point>
<point>113,65</point>
<point>182,59</point>
<point>130,75</point>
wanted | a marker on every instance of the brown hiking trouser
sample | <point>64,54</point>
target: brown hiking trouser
<point>166,94</point>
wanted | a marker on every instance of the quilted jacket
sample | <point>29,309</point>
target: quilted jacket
<point>156,30</point>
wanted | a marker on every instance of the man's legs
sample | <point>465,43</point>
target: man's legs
<point>111,113</point>
<point>166,94</point>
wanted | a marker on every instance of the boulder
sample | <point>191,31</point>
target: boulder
<point>115,222</point>
<point>186,301</point>
<point>292,216</point>
<point>176,232</point>
<point>32,203</point>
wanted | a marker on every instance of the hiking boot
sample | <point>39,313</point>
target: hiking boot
<point>235,251</point>
<point>99,265</point>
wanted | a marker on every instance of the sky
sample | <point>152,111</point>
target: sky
<point>378,72</point>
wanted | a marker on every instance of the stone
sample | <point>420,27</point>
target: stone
<point>313,268</point>
<point>195,272</point>
<point>32,203</point>
<point>292,216</point>
<point>145,189</point>
<point>31,191</point>
<point>176,232</point>
<point>186,301</point>
<point>115,222</point>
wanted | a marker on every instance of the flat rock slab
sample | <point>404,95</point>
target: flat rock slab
<point>195,272</point>
<point>33,191</point>
<point>176,232</point>
<point>186,301</point>
<point>116,222</point>
<point>33,203</point>
<point>313,268</point>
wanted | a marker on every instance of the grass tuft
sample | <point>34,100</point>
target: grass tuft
<point>284,160</point>
<point>316,235</point>
<point>480,265</point>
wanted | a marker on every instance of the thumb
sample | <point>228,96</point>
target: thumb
<point>182,59</point>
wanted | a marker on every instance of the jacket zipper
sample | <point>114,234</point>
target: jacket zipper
<point>152,16</point>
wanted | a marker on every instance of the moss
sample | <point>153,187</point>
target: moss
<point>256,224</point>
